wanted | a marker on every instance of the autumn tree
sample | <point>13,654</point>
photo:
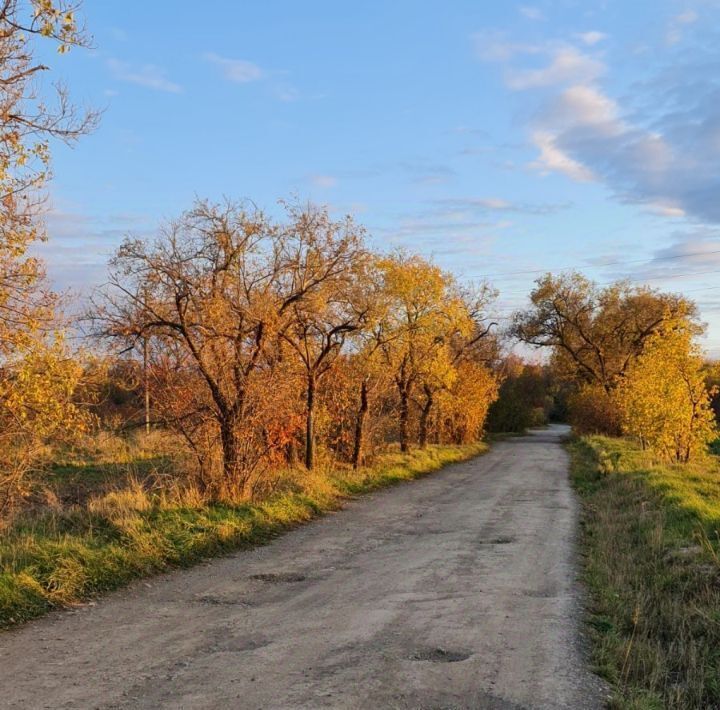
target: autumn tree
<point>663,398</point>
<point>36,374</point>
<point>37,406</point>
<point>205,291</point>
<point>28,122</point>
<point>595,333</point>
<point>414,290</point>
<point>330,254</point>
<point>466,402</point>
<point>429,324</point>
<point>229,295</point>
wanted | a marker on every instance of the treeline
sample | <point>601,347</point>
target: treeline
<point>265,342</point>
<point>263,345</point>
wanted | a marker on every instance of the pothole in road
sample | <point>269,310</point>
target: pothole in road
<point>440,655</point>
<point>279,577</point>
<point>220,601</point>
<point>504,540</point>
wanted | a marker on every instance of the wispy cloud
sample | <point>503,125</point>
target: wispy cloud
<point>427,173</point>
<point>591,38</point>
<point>697,249</point>
<point>148,75</point>
<point>240,71</point>
<point>286,93</point>
<point>659,146</point>
<point>493,46</point>
<point>677,24</point>
<point>498,204</point>
<point>79,245</point>
<point>567,65</point>
<point>531,13</point>
<point>323,181</point>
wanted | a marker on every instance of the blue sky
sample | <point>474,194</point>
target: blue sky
<point>501,139</point>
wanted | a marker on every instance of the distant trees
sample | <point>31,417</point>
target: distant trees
<point>529,394</point>
<point>256,325</point>
<point>629,353</point>
<point>594,334</point>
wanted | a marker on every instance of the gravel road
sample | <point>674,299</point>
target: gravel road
<point>454,591</point>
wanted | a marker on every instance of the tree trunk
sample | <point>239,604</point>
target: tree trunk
<point>359,425</point>
<point>231,455</point>
<point>310,423</point>
<point>404,419</point>
<point>425,416</point>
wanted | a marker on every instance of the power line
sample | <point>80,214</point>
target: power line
<point>640,281</point>
<point>615,262</point>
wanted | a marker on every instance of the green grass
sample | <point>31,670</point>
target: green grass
<point>650,537</point>
<point>60,559</point>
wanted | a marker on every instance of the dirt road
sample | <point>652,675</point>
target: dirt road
<point>454,591</point>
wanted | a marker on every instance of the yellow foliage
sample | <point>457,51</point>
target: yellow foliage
<point>663,398</point>
<point>465,405</point>
<point>36,405</point>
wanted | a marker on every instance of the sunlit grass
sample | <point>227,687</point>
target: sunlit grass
<point>62,558</point>
<point>650,544</point>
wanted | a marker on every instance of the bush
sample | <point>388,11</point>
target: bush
<point>593,411</point>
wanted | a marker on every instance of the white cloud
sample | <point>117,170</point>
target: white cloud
<point>665,210</point>
<point>147,75</point>
<point>553,158</point>
<point>494,203</point>
<point>653,153</point>
<point>592,38</point>
<point>237,70</point>
<point>532,13</point>
<point>584,105</point>
<point>568,65</point>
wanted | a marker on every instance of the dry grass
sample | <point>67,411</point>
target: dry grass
<point>650,537</point>
<point>67,554</point>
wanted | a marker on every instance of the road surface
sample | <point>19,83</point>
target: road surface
<point>454,591</point>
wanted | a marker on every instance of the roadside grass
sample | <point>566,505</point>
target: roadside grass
<point>650,542</point>
<point>63,557</point>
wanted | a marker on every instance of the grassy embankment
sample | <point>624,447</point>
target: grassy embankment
<point>650,544</point>
<point>61,557</point>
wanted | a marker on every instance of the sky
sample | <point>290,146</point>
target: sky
<point>502,140</point>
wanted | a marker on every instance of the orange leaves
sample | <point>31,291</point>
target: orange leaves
<point>267,337</point>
